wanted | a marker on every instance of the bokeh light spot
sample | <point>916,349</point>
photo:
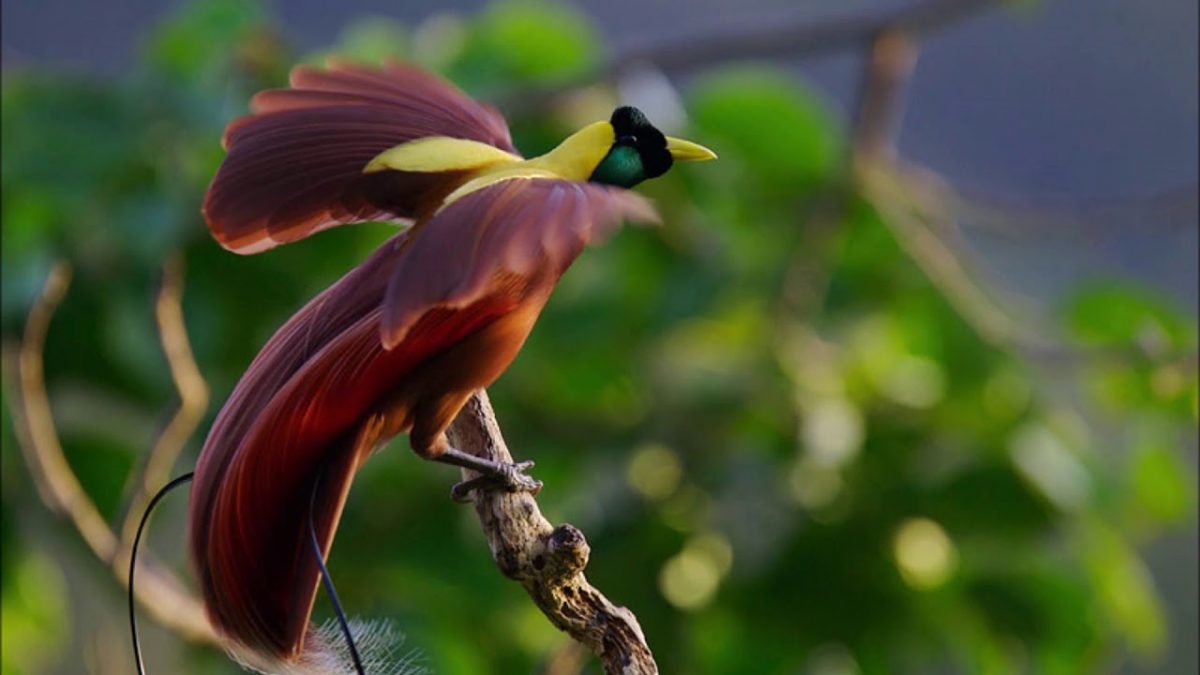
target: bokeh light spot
<point>832,659</point>
<point>832,431</point>
<point>814,485</point>
<point>654,471</point>
<point>715,547</point>
<point>439,40</point>
<point>1006,393</point>
<point>1168,381</point>
<point>1044,460</point>
<point>689,580</point>
<point>914,381</point>
<point>924,553</point>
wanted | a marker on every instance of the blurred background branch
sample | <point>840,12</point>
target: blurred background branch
<point>912,198</point>
<point>801,38</point>
<point>918,204</point>
<point>193,397</point>
<point>159,592</point>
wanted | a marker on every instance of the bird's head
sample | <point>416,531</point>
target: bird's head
<point>624,150</point>
<point>639,151</point>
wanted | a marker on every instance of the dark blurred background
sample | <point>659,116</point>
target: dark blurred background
<point>842,414</point>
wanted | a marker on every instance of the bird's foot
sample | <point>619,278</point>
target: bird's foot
<point>507,477</point>
<point>493,475</point>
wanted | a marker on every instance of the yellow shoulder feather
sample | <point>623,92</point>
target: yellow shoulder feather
<point>439,153</point>
<point>574,159</point>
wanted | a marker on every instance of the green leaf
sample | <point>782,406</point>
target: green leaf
<point>203,35</point>
<point>768,125</point>
<point>1163,485</point>
<point>1127,316</point>
<point>371,40</point>
<point>34,614</point>
<point>1124,589</point>
<point>530,41</point>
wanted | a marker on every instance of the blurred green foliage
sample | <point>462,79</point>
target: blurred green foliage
<point>790,454</point>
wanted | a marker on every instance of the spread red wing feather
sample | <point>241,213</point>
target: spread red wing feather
<point>295,165</point>
<point>519,227</point>
<point>458,115</point>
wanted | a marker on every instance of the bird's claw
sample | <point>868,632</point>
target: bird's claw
<point>507,477</point>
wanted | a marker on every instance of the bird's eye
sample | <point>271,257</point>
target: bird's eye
<point>627,139</point>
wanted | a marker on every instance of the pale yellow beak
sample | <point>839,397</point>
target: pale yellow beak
<point>687,151</point>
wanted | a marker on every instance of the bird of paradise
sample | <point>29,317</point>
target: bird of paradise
<point>400,343</point>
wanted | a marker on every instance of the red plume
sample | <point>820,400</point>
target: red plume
<point>397,345</point>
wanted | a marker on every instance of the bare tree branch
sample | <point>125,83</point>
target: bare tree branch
<point>919,206</point>
<point>34,426</point>
<point>159,592</point>
<point>1068,219</point>
<point>799,38</point>
<point>911,208</point>
<point>890,62</point>
<point>803,37</point>
<point>193,396</point>
<point>547,560</point>
<point>913,200</point>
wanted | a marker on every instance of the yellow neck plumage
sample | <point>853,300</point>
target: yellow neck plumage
<point>574,159</point>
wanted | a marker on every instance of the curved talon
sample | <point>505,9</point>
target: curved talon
<point>461,492</point>
<point>509,477</point>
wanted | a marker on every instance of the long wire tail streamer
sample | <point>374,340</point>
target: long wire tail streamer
<point>312,531</point>
<point>133,629</point>
<point>328,582</point>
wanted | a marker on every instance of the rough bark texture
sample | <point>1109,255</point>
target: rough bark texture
<point>547,560</point>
